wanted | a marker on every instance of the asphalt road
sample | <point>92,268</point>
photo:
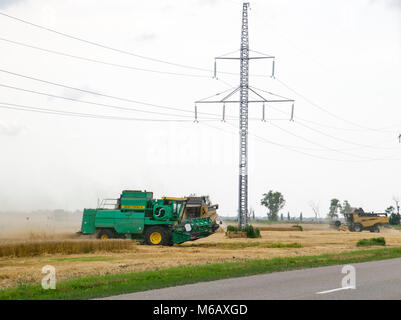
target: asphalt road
<point>374,280</point>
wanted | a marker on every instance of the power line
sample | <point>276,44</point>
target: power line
<point>340,139</point>
<point>13,106</point>
<point>138,110</point>
<point>270,141</point>
<point>163,72</point>
<point>323,109</point>
<point>329,149</point>
<point>102,45</point>
<point>290,148</point>
<point>296,121</point>
<point>160,61</point>
<point>102,94</point>
<point>19,107</point>
<point>93,103</point>
<point>294,148</point>
<point>113,96</point>
<point>115,50</point>
<point>313,122</point>
<point>100,61</point>
<point>323,125</point>
<point>334,137</point>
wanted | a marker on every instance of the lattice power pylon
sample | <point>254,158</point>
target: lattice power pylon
<point>243,101</point>
<point>243,121</point>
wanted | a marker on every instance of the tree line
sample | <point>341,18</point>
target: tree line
<point>274,202</point>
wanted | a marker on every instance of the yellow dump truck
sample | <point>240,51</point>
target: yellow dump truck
<point>359,220</point>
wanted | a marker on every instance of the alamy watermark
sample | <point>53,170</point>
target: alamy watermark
<point>349,281</point>
<point>49,280</point>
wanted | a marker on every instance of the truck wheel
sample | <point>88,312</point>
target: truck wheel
<point>156,236</point>
<point>375,228</point>
<point>358,228</point>
<point>105,234</point>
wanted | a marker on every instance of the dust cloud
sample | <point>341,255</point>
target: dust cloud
<point>39,225</point>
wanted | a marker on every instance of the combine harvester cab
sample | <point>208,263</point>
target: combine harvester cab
<point>359,220</point>
<point>200,207</point>
<point>137,215</point>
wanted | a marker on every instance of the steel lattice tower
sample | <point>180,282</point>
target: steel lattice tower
<point>243,101</point>
<point>243,121</point>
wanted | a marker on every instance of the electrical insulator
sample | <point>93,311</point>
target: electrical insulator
<point>196,114</point>
<point>273,65</point>
<point>292,112</point>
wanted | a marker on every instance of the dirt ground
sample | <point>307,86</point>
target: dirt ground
<point>315,239</point>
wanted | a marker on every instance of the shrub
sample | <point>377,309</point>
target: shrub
<point>232,228</point>
<point>251,232</point>
<point>371,242</point>
<point>298,226</point>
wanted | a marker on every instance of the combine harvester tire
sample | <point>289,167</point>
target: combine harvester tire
<point>105,234</point>
<point>156,236</point>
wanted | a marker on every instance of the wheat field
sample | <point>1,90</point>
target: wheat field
<point>62,247</point>
<point>110,256</point>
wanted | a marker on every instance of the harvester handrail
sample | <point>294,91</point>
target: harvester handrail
<point>107,202</point>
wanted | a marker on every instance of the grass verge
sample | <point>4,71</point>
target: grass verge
<point>107,285</point>
<point>242,245</point>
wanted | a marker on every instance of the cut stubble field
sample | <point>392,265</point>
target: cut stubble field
<point>314,240</point>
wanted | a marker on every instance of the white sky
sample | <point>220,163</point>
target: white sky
<point>343,55</point>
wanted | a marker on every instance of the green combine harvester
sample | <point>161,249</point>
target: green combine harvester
<point>137,215</point>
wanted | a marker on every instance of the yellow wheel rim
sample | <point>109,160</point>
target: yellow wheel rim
<point>155,238</point>
<point>104,237</point>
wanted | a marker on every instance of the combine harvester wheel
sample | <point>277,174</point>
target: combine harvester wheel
<point>155,236</point>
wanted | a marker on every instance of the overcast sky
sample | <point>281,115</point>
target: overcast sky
<point>340,60</point>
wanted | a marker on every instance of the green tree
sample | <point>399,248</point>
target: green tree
<point>281,217</point>
<point>394,218</point>
<point>288,216</point>
<point>300,217</point>
<point>274,202</point>
<point>335,205</point>
<point>390,210</point>
<point>346,208</point>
